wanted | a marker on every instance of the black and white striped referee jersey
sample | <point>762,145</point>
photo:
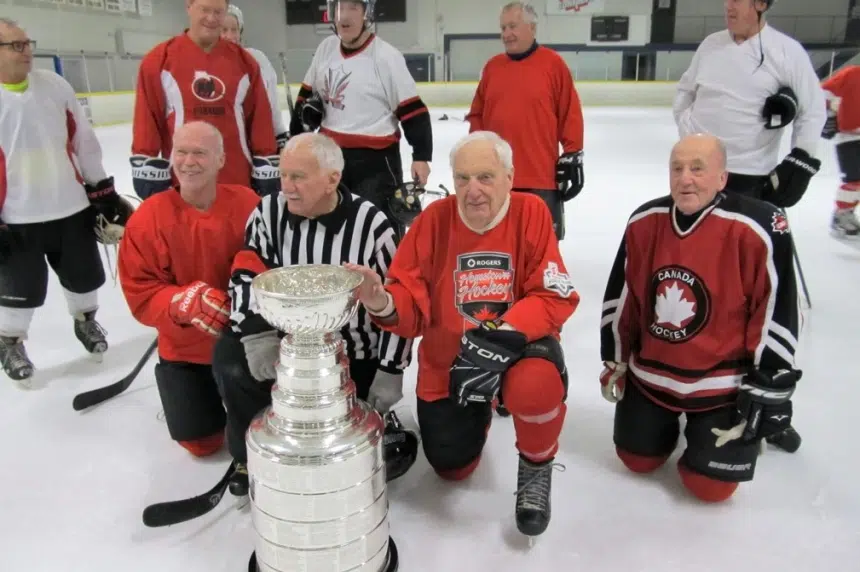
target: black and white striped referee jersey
<point>355,231</point>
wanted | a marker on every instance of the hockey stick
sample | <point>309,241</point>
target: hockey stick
<point>93,397</point>
<point>799,267</point>
<point>175,512</point>
<point>290,106</point>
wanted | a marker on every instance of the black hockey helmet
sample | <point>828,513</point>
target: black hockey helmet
<point>369,10</point>
<point>400,447</point>
<point>405,203</point>
<point>111,219</point>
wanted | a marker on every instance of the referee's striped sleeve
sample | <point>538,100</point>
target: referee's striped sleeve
<point>258,255</point>
<point>395,352</point>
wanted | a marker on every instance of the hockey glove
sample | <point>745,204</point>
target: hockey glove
<point>150,175</point>
<point>261,352</point>
<point>763,406</point>
<point>281,140</point>
<point>400,447</point>
<point>569,175</point>
<point>386,390</point>
<point>831,127</point>
<point>789,181</point>
<point>266,175</point>
<point>312,112</point>
<point>486,353</point>
<point>779,109</point>
<point>613,378</point>
<point>201,306</point>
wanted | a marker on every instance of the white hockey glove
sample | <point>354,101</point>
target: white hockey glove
<point>612,381</point>
<point>261,350</point>
<point>385,391</point>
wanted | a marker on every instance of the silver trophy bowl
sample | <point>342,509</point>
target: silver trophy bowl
<point>315,456</point>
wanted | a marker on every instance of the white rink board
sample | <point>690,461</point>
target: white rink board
<point>115,108</point>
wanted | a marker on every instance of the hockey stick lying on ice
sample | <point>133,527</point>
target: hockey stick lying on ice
<point>93,397</point>
<point>175,512</point>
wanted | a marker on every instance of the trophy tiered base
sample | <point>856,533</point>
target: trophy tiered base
<point>315,456</point>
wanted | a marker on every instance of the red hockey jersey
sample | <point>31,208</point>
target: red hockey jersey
<point>532,104</point>
<point>178,83</point>
<point>690,311</point>
<point>446,279</point>
<point>845,84</point>
<point>169,244</point>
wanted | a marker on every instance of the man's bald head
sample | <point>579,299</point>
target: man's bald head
<point>205,133</point>
<point>698,171</point>
<point>197,156</point>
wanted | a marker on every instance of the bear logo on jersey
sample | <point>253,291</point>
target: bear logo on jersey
<point>483,286</point>
<point>336,82</point>
<point>207,87</point>
<point>681,302</point>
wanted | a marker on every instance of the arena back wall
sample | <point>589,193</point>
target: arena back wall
<point>118,107</point>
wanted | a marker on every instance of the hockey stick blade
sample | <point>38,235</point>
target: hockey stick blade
<point>93,397</point>
<point>175,512</point>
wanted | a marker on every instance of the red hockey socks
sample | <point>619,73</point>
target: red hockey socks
<point>533,391</point>
<point>205,446</point>
<point>848,196</point>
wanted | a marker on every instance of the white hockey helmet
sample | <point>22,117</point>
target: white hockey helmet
<point>236,12</point>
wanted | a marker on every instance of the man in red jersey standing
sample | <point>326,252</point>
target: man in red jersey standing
<point>542,112</point>
<point>197,76</point>
<point>479,275</point>
<point>701,318</point>
<point>174,269</point>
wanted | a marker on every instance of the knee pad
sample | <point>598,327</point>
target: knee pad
<point>205,446</point>
<point>640,463</point>
<point>459,474</point>
<point>532,387</point>
<point>705,488</point>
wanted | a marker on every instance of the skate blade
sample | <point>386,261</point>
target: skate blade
<point>532,540</point>
<point>97,357</point>
<point>851,241</point>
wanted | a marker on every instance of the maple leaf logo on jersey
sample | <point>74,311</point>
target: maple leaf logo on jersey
<point>334,86</point>
<point>207,87</point>
<point>779,223</point>
<point>681,304</point>
<point>672,308</point>
<point>483,286</point>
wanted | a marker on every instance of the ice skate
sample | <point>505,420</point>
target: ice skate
<point>16,363</point>
<point>845,227</point>
<point>91,334</point>
<point>534,487</point>
<point>239,481</point>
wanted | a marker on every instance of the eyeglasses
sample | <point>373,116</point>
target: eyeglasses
<point>20,46</point>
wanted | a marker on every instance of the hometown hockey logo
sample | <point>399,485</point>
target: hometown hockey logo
<point>574,5</point>
<point>483,286</point>
<point>680,302</point>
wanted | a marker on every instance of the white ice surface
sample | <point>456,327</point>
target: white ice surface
<point>72,486</point>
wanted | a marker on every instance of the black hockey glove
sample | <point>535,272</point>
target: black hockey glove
<point>764,401</point>
<point>486,353</point>
<point>789,181</point>
<point>150,175</point>
<point>281,140</point>
<point>569,175</point>
<point>831,127</point>
<point>399,446</point>
<point>266,175</point>
<point>779,109</point>
<point>312,113</point>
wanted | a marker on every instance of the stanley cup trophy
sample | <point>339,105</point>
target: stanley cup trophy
<point>315,457</point>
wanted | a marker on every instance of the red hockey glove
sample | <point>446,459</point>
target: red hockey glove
<point>201,306</point>
<point>612,381</point>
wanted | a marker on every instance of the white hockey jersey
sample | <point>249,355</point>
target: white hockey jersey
<point>270,78</point>
<point>47,151</point>
<point>366,93</point>
<point>724,90</point>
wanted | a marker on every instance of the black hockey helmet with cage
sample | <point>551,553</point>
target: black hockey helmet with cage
<point>400,447</point>
<point>405,203</point>
<point>110,220</point>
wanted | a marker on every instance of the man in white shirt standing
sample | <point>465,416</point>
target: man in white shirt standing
<point>745,85</point>
<point>53,191</point>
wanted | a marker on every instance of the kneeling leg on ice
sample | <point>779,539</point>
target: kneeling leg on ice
<point>453,436</point>
<point>646,434</point>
